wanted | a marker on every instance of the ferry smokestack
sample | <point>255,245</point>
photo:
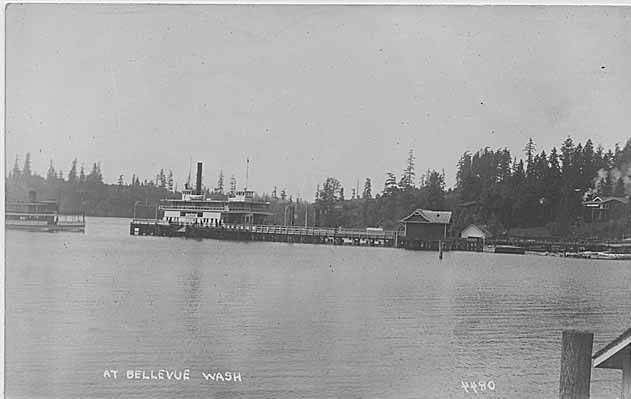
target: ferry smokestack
<point>198,186</point>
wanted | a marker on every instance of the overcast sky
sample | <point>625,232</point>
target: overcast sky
<point>308,92</point>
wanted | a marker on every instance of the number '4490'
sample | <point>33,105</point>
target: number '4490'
<point>480,386</point>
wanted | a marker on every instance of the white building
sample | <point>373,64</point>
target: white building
<point>476,231</point>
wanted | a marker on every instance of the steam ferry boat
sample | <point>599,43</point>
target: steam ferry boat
<point>238,208</point>
<point>33,215</point>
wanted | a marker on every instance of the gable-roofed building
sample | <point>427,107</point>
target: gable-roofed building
<point>426,225</point>
<point>603,209</point>
<point>476,231</point>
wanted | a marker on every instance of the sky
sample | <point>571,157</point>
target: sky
<point>307,91</point>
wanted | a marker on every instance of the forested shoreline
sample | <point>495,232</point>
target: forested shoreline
<point>493,188</point>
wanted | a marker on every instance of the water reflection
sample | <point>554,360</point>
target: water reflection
<point>192,302</point>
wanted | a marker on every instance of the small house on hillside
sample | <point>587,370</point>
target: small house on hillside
<point>426,225</point>
<point>476,231</point>
<point>603,209</point>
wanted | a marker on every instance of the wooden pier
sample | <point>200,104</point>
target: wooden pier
<point>290,234</point>
<point>297,234</point>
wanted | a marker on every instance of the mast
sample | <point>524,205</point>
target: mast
<point>188,181</point>
<point>247,167</point>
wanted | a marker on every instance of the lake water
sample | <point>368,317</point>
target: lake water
<point>296,321</point>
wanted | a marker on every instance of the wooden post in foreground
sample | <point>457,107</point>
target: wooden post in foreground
<point>576,364</point>
<point>626,376</point>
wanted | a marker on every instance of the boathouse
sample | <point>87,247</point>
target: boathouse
<point>426,225</point>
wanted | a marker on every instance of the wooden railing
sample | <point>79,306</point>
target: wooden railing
<point>289,230</point>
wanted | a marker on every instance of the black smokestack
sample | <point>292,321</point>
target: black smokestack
<point>198,186</point>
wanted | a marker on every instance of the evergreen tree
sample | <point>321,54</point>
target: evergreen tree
<point>467,185</point>
<point>390,184</point>
<point>95,176</point>
<point>99,175</point>
<point>367,194</point>
<point>605,188</point>
<point>72,174</point>
<point>51,175</point>
<point>590,167</point>
<point>330,190</point>
<point>219,188</point>
<point>503,165</point>
<point>529,150</point>
<point>82,176</point>
<point>567,152</point>
<point>623,158</point>
<point>599,158</point>
<point>407,180</point>
<point>16,172</point>
<point>435,187</point>
<point>233,184</point>
<point>170,181</point>
<point>26,171</point>
<point>326,202</point>
<point>554,166</point>
<point>579,168</point>
<point>618,190</point>
<point>162,179</point>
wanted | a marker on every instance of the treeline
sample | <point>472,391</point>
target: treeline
<point>544,189</point>
<point>85,192</point>
<point>493,188</point>
<point>398,198</point>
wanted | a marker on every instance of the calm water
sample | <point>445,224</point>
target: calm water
<point>296,321</point>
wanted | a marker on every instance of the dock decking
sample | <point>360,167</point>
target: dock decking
<point>295,234</point>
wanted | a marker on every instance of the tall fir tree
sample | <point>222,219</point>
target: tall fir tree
<point>407,180</point>
<point>26,171</point>
<point>51,175</point>
<point>72,174</point>
<point>367,193</point>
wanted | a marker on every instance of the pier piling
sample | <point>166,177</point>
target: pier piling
<point>576,364</point>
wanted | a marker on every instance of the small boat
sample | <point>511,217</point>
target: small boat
<point>599,255</point>
<point>611,256</point>
<point>509,249</point>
